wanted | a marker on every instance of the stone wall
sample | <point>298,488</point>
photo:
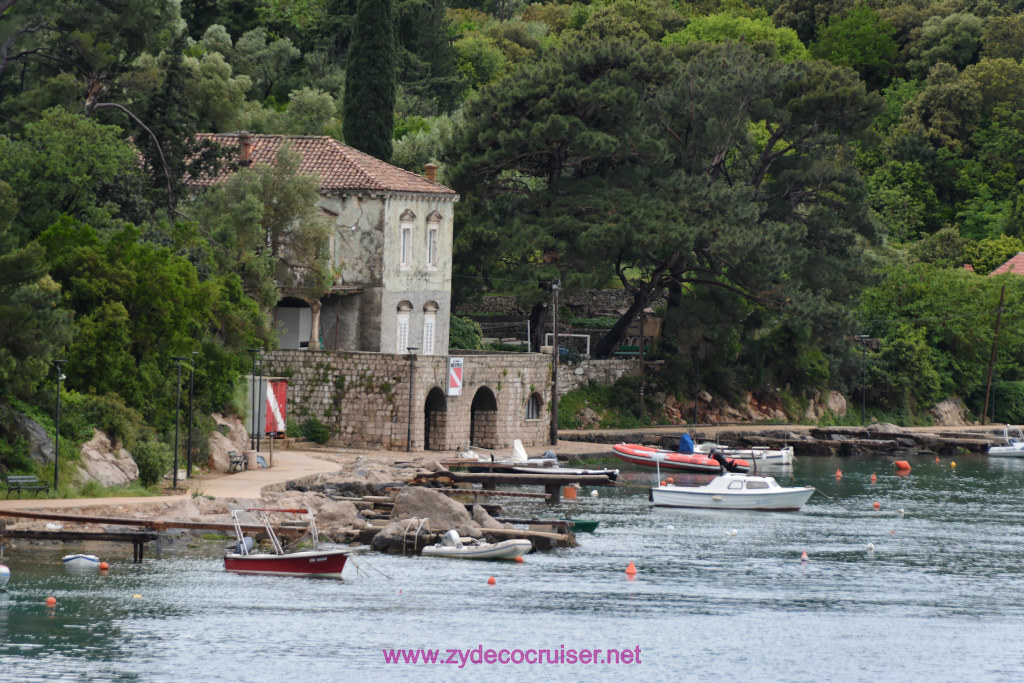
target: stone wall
<point>572,376</point>
<point>364,398</point>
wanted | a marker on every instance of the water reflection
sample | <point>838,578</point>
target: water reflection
<point>953,560</point>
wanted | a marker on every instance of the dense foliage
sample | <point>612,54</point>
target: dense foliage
<point>780,177</point>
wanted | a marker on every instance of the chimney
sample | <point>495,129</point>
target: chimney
<point>244,148</point>
<point>430,172</point>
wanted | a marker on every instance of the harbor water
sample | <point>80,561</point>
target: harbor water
<point>938,595</point>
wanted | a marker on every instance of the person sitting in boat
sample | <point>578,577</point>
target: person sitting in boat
<point>685,444</point>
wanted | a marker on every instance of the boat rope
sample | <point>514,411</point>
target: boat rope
<point>362,571</point>
<point>831,498</point>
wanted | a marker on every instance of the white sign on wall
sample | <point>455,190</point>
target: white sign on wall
<point>455,377</point>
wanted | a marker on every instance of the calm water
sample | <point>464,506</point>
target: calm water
<point>941,597</point>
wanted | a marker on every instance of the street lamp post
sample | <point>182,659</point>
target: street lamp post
<point>555,284</point>
<point>863,339</point>
<point>408,431</point>
<point>252,420</point>
<point>191,397</point>
<point>177,414</point>
<point>56,435</point>
<point>259,405</point>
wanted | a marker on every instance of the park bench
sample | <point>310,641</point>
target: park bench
<point>236,462</point>
<point>28,482</point>
<point>631,351</point>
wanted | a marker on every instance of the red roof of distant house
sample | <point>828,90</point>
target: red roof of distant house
<point>338,166</point>
<point>1014,265</point>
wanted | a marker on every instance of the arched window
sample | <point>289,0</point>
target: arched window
<point>429,320</point>
<point>402,327</point>
<point>406,224</point>
<point>533,405</point>
<point>433,239</point>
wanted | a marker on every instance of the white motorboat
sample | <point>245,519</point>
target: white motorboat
<point>769,456</point>
<point>1012,445</point>
<point>5,576</point>
<point>78,562</point>
<point>733,491</point>
<point>451,545</point>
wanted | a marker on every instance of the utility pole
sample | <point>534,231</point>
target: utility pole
<point>992,361</point>
<point>554,361</point>
<point>640,354</point>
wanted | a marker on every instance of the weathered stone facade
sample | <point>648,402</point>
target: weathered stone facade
<point>363,397</point>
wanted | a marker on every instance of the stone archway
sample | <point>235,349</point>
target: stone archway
<point>483,419</point>
<point>435,421</point>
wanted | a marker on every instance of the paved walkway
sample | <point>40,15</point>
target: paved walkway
<point>288,466</point>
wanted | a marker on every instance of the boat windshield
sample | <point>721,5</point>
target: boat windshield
<point>757,484</point>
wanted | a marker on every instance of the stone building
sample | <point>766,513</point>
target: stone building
<point>391,249</point>
<point>371,359</point>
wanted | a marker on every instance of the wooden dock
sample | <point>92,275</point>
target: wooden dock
<point>552,483</point>
<point>149,529</point>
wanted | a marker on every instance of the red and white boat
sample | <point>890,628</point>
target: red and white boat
<point>704,463</point>
<point>245,559</point>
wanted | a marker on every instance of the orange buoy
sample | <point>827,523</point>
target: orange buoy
<point>491,581</point>
<point>662,482</point>
<point>839,474</point>
<point>519,559</point>
<point>952,463</point>
<point>902,465</point>
<point>803,556</point>
<point>569,492</point>
<point>104,566</point>
<point>936,460</point>
<point>631,569</point>
<point>877,505</point>
<point>873,478</point>
<point>671,480</point>
<point>51,601</point>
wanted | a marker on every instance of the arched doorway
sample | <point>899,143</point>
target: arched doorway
<point>435,421</point>
<point>483,419</point>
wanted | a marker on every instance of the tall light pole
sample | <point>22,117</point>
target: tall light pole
<point>191,396</point>
<point>863,339</point>
<point>177,414</point>
<point>554,362</point>
<point>260,407</point>
<point>252,420</point>
<point>56,435</point>
<point>408,427</point>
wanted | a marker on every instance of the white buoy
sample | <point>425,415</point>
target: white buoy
<point>871,548</point>
<point>731,532</point>
<point>593,494</point>
<point>901,512</point>
<point>670,527</point>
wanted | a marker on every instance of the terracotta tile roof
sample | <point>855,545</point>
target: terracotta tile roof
<point>1014,265</point>
<point>340,167</point>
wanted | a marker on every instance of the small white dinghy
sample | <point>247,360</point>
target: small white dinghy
<point>1012,444</point>
<point>5,576</point>
<point>78,562</point>
<point>451,545</point>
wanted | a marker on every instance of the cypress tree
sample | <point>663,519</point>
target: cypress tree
<point>369,107</point>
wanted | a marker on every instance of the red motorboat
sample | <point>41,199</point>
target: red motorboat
<point>245,559</point>
<point>705,463</point>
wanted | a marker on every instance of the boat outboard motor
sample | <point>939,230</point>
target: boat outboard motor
<point>451,539</point>
<point>549,455</point>
<point>727,464</point>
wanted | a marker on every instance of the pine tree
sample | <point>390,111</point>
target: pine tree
<point>369,108</point>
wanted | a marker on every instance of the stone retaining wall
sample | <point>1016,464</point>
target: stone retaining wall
<point>364,398</point>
